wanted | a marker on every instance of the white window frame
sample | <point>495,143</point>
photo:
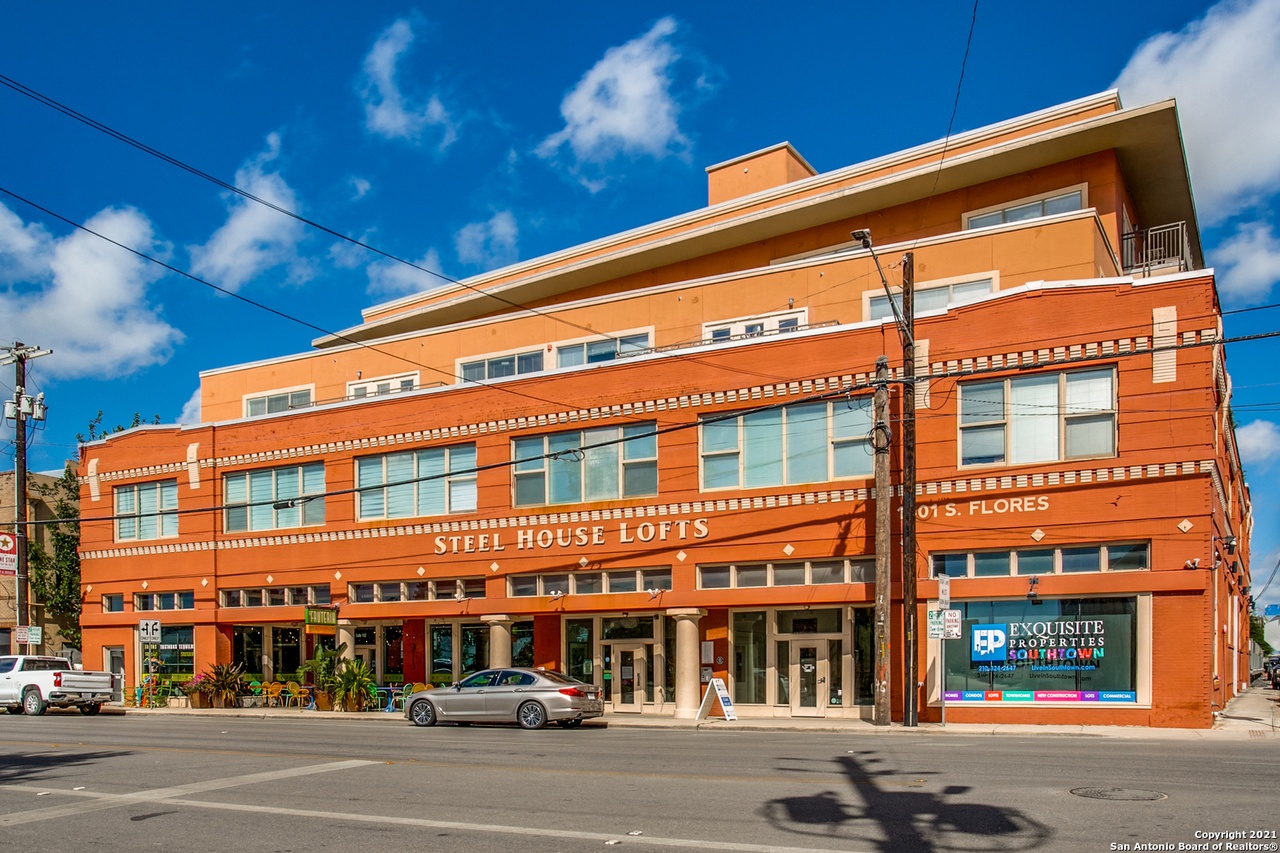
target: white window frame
<point>1064,417</point>
<point>166,515</point>
<point>370,387</point>
<point>529,465</point>
<point>307,508</point>
<point>1104,559</point>
<point>970,215</point>
<point>585,342</point>
<point>246,399</point>
<point>740,327</point>
<point>832,443</point>
<point>448,478</point>
<point>870,296</point>
<point>486,358</point>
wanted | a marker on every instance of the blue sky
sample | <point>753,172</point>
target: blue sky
<point>467,136</point>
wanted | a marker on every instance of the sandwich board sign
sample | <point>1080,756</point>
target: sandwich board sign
<point>717,690</point>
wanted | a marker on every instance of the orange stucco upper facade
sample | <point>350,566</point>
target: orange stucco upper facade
<point>779,229</point>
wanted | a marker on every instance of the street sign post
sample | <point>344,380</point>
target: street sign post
<point>148,631</point>
<point>944,591</point>
<point>951,624</point>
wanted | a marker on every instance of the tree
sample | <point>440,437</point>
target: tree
<point>1258,631</point>
<point>55,574</point>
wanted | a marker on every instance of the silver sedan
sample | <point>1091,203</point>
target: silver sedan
<point>530,697</point>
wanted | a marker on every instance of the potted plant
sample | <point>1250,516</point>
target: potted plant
<point>193,690</point>
<point>323,668</point>
<point>223,683</point>
<point>355,686</point>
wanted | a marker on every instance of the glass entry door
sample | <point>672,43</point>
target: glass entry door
<point>630,676</point>
<point>809,678</point>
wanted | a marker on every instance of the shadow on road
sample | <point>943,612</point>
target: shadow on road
<point>19,767</point>
<point>903,817</point>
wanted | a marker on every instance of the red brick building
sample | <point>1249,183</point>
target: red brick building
<point>647,460</point>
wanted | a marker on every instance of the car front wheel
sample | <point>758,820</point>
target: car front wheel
<point>32,703</point>
<point>531,715</point>
<point>423,713</point>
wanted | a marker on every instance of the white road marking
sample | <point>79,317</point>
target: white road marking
<point>101,802</point>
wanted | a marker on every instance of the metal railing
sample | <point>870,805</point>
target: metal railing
<point>1160,249</point>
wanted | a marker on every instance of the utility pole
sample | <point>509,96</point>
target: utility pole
<point>881,440</point>
<point>19,409</point>
<point>911,650</point>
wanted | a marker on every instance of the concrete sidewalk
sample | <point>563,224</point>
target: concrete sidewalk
<point>1253,715</point>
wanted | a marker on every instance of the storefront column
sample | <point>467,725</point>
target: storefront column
<point>346,640</point>
<point>499,639</point>
<point>268,659</point>
<point>688,684</point>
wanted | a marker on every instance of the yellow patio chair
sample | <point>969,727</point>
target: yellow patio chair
<point>273,691</point>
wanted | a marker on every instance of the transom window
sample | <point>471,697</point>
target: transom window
<point>802,443</point>
<point>932,297</point>
<point>185,600</point>
<point>1027,208</point>
<point>276,596</point>
<point>1111,557</point>
<point>1040,418</point>
<point>498,366</point>
<point>146,510</point>
<point>277,401</point>
<point>451,589</point>
<point>589,583</point>
<point>592,465</point>
<point>433,481</point>
<point>592,352</point>
<point>274,499</point>
<point>799,573</point>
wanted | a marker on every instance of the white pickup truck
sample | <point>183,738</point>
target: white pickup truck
<point>31,683</point>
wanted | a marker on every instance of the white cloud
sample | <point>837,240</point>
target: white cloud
<point>624,104</point>
<point>190,413</point>
<point>86,298</point>
<point>387,111</point>
<point>254,238</point>
<point>1259,442</point>
<point>488,244</point>
<point>1222,69</point>
<point>1247,263</point>
<point>359,188</point>
<point>389,278</point>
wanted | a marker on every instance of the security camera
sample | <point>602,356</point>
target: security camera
<point>863,236</point>
<point>1193,563</point>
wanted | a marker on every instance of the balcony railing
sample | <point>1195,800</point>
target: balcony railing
<point>1148,251</point>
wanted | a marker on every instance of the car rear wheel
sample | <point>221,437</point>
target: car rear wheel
<point>531,715</point>
<point>32,703</point>
<point>569,724</point>
<point>423,713</point>
<point>91,709</point>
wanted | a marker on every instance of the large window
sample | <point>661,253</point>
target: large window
<point>1038,418</point>
<point>145,510</point>
<point>929,297</point>
<point>277,401</point>
<point>435,481</point>
<point>275,498</point>
<point>498,366</point>
<point>803,443</point>
<point>1081,650</point>
<point>591,465</point>
<point>591,352</point>
<point>1028,208</point>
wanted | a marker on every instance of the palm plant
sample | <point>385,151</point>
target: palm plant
<point>355,685</point>
<point>223,682</point>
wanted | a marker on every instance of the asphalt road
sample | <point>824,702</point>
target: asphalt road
<point>181,783</point>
